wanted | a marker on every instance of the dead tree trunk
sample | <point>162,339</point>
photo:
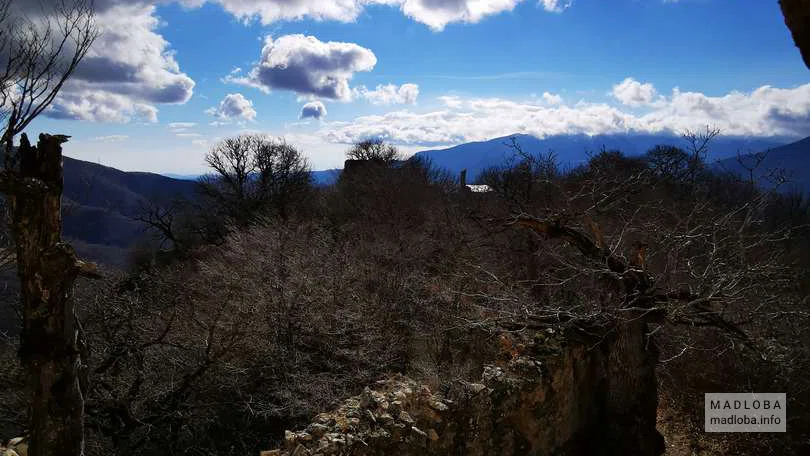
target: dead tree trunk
<point>47,268</point>
<point>631,396</point>
<point>631,400</point>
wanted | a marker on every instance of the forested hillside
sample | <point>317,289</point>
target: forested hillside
<point>101,206</point>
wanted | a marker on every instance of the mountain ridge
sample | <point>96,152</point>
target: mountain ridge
<point>791,161</point>
<point>573,150</point>
<point>99,203</point>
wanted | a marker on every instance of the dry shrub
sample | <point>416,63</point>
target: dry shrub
<point>220,353</point>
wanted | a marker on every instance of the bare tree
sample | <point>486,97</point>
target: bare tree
<point>37,56</point>
<point>284,176</point>
<point>40,55</point>
<point>635,254</point>
<point>162,220</point>
<point>669,162</point>
<point>698,148</point>
<point>255,174</point>
<point>523,177</point>
<point>374,149</point>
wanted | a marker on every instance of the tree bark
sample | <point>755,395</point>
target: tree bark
<point>631,399</point>
<point>47,268</point>
<point>631,396</point>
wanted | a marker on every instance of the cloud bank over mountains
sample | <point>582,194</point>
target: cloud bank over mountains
<point>766,111</point>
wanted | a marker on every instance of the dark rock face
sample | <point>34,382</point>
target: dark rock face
<point>797,18</point>
<point>545,397</point>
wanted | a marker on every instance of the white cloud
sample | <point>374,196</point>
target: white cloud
<point>132,68</point>
<point>390,94</point>
<point>308,66</point>
<point>633,93</point>
<point>111,138</point>
<point>762,112</point>
<point>100,106</point>
<point>766,111</point>
<point>178,127</point>
<point>556,6</point>
<point>552,99</point>
<point>127,72</point>
<point>451,101</point>
<point>313,110</point>
<point>270,11</point>
<point>436,14</point>
<point>233,107</point>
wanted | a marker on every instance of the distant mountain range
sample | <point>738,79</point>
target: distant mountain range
<point>187,177</point>
<point>322,177</point>
<point>573,150</point>
<point>791,160</point>
<point>99,203</point>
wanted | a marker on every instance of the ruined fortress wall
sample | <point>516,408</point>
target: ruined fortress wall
<point>544,398</point>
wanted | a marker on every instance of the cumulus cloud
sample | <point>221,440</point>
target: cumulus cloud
<point>762,112</point>
<point>234,106</point>
<point>633,93</point>
<point>308,66</point>
<point>100,106</point>
<point>451,101</point>
<point>313,110</point>
<point>130,69</point>
<point>552,98</point>
<point>269,11</point>
<point>766,111</point>
<point>480,119</point>
<point>436,14</point>
<point>390,94</point>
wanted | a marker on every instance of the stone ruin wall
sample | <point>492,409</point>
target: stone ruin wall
<point>542,398</point>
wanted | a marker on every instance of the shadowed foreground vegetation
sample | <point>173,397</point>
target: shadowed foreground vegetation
<point>270,300</point>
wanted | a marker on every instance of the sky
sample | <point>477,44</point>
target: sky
<point>167,79</point>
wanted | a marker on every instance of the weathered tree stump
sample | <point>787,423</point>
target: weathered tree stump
<point>47,268</point>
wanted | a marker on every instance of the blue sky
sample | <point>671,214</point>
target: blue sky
<point>422,74</point>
